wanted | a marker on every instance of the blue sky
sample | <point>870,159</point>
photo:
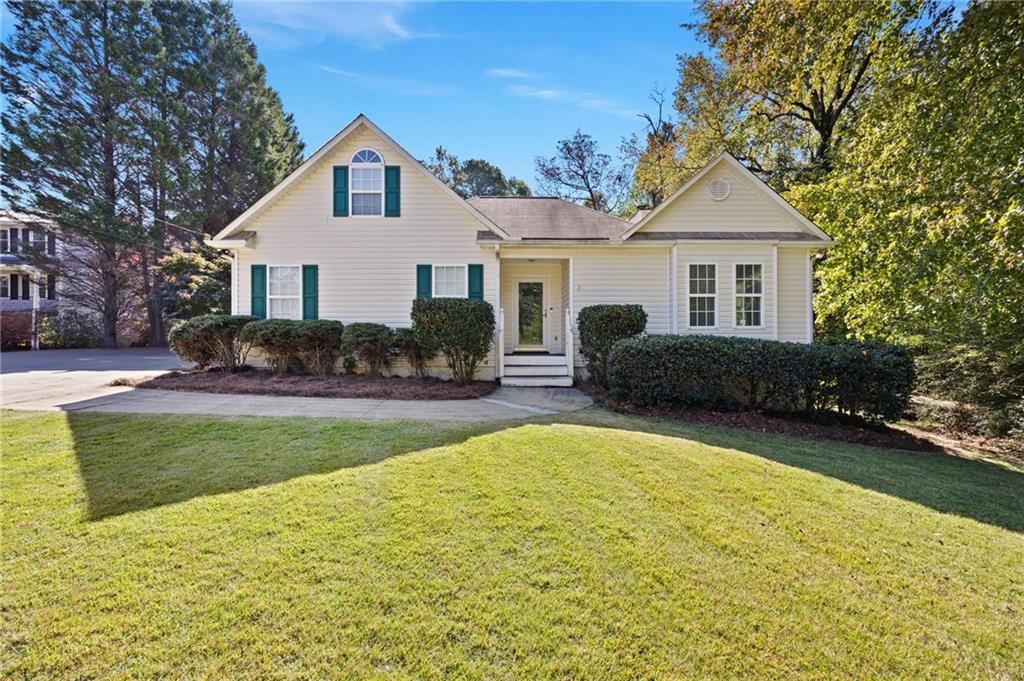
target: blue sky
<point>499,81</point>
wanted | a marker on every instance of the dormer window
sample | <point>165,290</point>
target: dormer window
<point>367,185</point>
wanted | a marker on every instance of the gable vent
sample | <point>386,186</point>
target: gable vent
<point>719,188</point>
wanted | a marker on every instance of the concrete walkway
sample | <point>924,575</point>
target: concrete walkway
<point>78,380</point>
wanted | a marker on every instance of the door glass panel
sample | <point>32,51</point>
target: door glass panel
<point>531,313</point>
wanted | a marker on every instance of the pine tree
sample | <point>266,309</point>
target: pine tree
<point>69,152</point>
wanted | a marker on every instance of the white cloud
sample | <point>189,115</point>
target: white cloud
<point>295,24</point>
<point>401,86</point>
<point>586,100</point>
<point>508,73</point>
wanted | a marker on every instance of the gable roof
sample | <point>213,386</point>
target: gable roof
<point>730,160</point>
<point>542,217</point>
<point>314,161</point>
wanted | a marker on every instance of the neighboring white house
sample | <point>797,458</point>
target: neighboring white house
<point>362,228</point>
<point>25,290</point>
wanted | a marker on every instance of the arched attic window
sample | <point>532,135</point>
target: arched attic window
<point>367,185</point>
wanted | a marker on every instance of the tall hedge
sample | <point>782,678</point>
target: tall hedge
<point>600,327</point>
<point>870,379</point>
<point>461,328</point>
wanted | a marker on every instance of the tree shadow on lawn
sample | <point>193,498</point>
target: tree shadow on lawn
<point>987,492</point>
<point>131,463</point>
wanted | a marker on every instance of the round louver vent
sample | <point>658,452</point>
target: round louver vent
<point>719,188</point>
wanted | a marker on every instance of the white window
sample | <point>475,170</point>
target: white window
<point>450,281</point>
<point>5,243</point>
<point>703,295</point>
<point>366,183</point>
<point>748,295</point>
<point>284,293</point>
<point>39,240</point>
<point>5,286</point>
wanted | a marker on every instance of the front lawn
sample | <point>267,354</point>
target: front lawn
<point>591,545</point>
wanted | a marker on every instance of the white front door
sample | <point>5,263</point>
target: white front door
<point>531,314</point>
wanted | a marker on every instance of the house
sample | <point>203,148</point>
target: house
<point>27,293</point>
<point>362,228</point>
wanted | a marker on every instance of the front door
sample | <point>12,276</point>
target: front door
<point>532,315</point>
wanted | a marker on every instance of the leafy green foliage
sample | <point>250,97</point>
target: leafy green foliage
<point>600,327</point>
<point>927,207</point>
<point>370,344</point>
<point>474,177</point>
<point>212,339</point>
<point>417,354</point>
<point>873,380</point>
<point>461,328</point>
<point>195,282</point>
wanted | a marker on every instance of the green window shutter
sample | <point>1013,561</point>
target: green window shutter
<point>258,283</point>
<point>341,191</point>
<point>392,191</point>
<point>476,282</point>
<point>424,274</point>
<point>310,307</point>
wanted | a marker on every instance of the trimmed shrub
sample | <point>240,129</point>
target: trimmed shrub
<point>187,343</point>
<point>417,354</point>
<point>718,372</point>
<point>319,344</point>
<point>600,327</point>
<point>278,340</point>
<point>211,339</point>
<point>292,345</point>
<point>872,379</point>
<point>370,344</point>
<point>461,328</point>
<point>222,332</point>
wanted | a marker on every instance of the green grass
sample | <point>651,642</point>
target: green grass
<point>590,545</point>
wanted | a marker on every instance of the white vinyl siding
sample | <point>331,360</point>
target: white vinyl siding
<point>747,209</point>
<point>367,266</point>
<point>794,268</point>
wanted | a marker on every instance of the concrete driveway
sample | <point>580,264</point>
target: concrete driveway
<point>79,380</point>
<point>50,379</point>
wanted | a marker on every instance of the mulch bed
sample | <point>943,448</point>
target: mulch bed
<point>258,382</point>
<point>834,427</point>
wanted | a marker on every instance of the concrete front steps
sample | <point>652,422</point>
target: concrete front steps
<point>536,370</point>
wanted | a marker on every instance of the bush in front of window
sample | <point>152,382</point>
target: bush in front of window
<point>319,344</point>
<point>869,379</point>
<point>278,339</point>
<point>461,328</point>
<point>212,340</point>
<point>370,344</point>
<point>416,353</point>
<point>600,327</point>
